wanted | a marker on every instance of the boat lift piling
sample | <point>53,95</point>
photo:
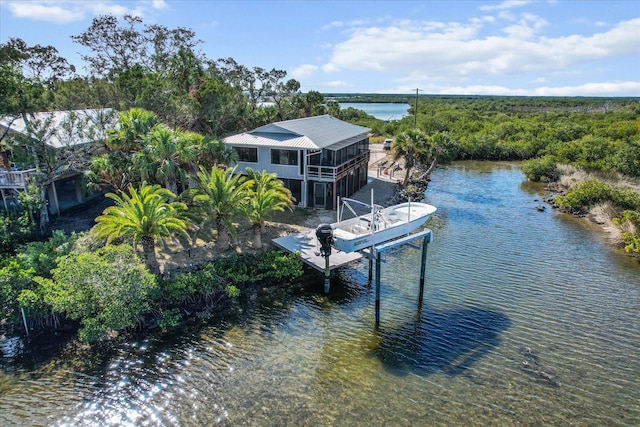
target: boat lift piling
<point>315,248</point>
<point>427,236</point>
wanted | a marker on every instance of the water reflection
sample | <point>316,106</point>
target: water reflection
<point>505,284</point>
<point>448,341</point>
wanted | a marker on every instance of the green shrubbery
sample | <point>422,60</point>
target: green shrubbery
<point>110,289</point>
<point>106,290</point>
<point>229,274</point>
<point>14,231</point>
<point>542,169</point>
<point>589,193</point>
<point>630,220</point>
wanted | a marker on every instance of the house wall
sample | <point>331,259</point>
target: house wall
<point>295,176</point>
<point>264,163</point>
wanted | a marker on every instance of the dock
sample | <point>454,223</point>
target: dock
<point>307,245</point>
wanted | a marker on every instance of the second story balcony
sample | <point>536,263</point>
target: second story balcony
<point>17,179</point>
<point>334,173</point>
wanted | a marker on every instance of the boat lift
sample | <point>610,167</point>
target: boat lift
<point>316,249</point>
<point>375,254</point>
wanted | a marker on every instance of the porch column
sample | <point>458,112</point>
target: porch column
<point>334,195</point>
<point>53,198</point>
<point>78,187</point>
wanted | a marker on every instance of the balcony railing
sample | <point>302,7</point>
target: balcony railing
<point>334,173</point>
<point>17,179</point>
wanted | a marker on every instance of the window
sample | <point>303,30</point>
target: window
<point>247,154</point>
<point>284,157</point>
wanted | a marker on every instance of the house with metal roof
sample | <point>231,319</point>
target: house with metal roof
<point>56,147</point>
<point>318,158</point>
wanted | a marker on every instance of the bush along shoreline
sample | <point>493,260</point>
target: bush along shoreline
<point>53,286</point>
<point>611,200</point>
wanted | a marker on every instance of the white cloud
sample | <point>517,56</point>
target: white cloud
<point>45,11</point>
<point>505,5</point>
<point>160,4</point>
<point>455,50</point>
<point>586,89</point>
<point>337,84</point>
<point>332,25</point>
<point>592,89</point>
<point>330,67</point>
<point>303,71</point>
<point>62,12</point>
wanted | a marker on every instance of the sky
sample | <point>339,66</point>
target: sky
<point>513,47</point>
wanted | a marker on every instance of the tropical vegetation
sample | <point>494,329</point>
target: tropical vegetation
<point>169,175</point>
<point>143,216</point>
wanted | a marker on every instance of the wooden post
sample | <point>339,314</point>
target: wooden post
<point>378,256</point>
<point>55,195</point>
<point>423,267</point>
<point>370,270</point>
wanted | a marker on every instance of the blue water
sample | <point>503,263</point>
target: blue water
<point>380,110</point>
<point>529,318</point>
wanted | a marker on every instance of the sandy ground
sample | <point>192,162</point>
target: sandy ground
<point>178,257</point>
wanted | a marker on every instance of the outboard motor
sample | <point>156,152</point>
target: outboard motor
<point>324,233</point>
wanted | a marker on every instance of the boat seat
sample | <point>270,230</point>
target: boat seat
<point>343,234</point>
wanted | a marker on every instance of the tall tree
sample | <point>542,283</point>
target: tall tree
<point>282,95</point>
<point>115,48</point>
<point>27,75</point>
<point>265,194</point>
<point>310,103</point>
<point>133,127</point>
<point>413,147</point>
<point>144,216</point>
<point>163,158</point>
<point>218,199</point>
<point>221,108</point>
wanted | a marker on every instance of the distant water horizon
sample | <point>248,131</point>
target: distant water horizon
<point>380,110</point>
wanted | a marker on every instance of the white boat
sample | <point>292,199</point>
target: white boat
<point>378,226</point>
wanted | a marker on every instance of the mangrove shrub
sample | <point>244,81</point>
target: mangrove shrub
<point>543,169</point>
<point>107,290</point>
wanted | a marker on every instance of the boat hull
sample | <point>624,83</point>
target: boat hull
<point>387,224</point>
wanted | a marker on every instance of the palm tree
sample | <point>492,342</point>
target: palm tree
<point>413,147</point>
<point>133,126</point>
<point>163,158</point>
<point>115,170</point>
<point>203,151</point>
<point>143,215</point>
<point>265,194</point>
<point>218,197</point>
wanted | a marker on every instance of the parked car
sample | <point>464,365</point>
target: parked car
<point>386,145</point>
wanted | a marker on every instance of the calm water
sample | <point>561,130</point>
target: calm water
<point>380,110</point>
<point>529,319</point>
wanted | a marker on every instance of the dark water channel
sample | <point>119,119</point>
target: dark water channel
<point>529,319</point>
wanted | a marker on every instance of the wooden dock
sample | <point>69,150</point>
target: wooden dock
<point>307,245</point>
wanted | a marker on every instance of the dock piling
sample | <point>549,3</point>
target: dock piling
<point>423,266</point>
<point>327,275</point>
<point>378,259</point>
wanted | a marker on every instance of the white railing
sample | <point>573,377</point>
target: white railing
<point>333,173</point>
<point>17,179</point>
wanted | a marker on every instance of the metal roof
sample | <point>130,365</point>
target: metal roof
<point>310,132</point>
<point>56,121</point>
